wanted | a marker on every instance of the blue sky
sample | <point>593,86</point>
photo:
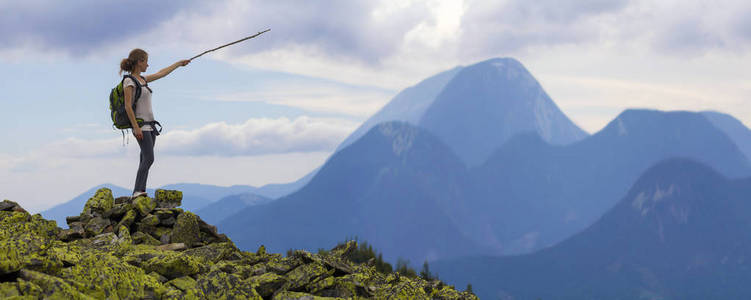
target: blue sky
<point>271,109</point>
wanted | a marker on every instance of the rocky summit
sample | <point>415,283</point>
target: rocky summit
<point>148,248</point>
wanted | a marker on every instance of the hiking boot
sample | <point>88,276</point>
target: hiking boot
<point>138,194</point>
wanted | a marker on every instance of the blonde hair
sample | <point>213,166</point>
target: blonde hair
<point>127,64</point>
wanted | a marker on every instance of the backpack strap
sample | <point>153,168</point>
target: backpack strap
<point>138,86</point>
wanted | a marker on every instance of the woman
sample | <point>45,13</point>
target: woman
<point>135,64</point>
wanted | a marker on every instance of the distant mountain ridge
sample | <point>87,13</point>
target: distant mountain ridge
<point>539,193</point>
<point>398,187</point>
<point>527,195</point>
<point>683,231</point>
<point>487,103</point>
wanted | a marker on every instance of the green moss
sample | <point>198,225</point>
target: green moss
<point>304,274</point>
<point>173,265</point>
<point>24,240</point>
<point>213,252</point>
<point>9,289</point>
<point>266,284</point>
<point>220,285</point>
<point>102,275</point>
<point>287,295</point>
<point>144,205</point>
<point>101,202</point>
<point>150,220</point>
<point>188,286</point>
<point>186,229</point>
<point>169,198</point>
<point>51,287</point>
<point>146,239</point>
<point>128,219</point>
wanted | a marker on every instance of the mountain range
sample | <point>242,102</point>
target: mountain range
<point>529,193</point>
<point>683,231</point>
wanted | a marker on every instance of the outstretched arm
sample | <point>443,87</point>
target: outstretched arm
<point>167,70</point>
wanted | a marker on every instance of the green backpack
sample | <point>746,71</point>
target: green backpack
<point>117,104</point>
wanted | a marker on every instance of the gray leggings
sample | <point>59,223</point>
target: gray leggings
<point>147,158</point>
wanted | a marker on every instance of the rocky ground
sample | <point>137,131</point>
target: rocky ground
<point>148,248</point>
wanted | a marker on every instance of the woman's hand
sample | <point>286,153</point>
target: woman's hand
<point>184,62</point>
<point>138,133</point>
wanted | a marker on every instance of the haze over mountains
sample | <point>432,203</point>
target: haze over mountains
<point>683,231</point>
<point>528,194</point>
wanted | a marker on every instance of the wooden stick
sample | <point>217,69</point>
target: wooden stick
<point>235,42</point>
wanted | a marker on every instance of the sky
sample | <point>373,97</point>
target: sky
<point>271,109</point>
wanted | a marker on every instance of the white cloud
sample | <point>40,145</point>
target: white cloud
<point>261,136</point>
<point>258,137</point>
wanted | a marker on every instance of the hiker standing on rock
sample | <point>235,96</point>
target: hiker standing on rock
<point>142,119</point>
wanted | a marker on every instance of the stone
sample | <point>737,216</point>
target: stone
<point>213,252</point>
<point>101,202</point>
<point>168,198</point>
<point>51,287</point>
<point>304,274</point>
<point>7,205</point>
<point>150,220</point>
<point>168,221</point>
<point>144,205</point>
<point>220,285</point>
<point>143,238</point>
<point>104,239</point>
<point>188,286</point>
<point>266,284</point>
<point>96,226</point>
<point>128,219</point>
<point>172,247</point>
<point>123,199</point>
<point>186,229</point>
<point>173,265</point>
<point>72,219</point>
<point>118,211</point>
<point>288,295</point>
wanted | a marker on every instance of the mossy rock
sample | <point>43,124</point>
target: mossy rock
<point>168,198</point>
<point>186,229</point>
<point>48,287</point>
<point>9,289</point>
<point>24,240</point>
<point>144,238</point>
<point>128,219</point>
<point>266,284</point>
<point>101,202</point>
<point>173,265</point>
<point>105,276</point>
<point>287,295</point>
<point>220,285</point>
<point>213,252</point>
<point>144,205</point>
<point>304,274</point>
<point>188,286</point>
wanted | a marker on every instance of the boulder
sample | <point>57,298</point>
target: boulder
<point>144,205</point>
<point>101,202</point>
<point>186,229</point>
<point>168,198</point>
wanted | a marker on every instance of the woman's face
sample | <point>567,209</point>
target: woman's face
<point>143,64</point>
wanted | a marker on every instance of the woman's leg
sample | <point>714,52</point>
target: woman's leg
<point>147,158</point>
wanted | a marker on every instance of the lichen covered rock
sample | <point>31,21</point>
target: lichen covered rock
<point>186,229</point>
<point>168,198</point>
<point>101,202</point>
<point>147,248</point>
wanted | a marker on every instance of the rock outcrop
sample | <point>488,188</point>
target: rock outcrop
<point>148,248</point>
